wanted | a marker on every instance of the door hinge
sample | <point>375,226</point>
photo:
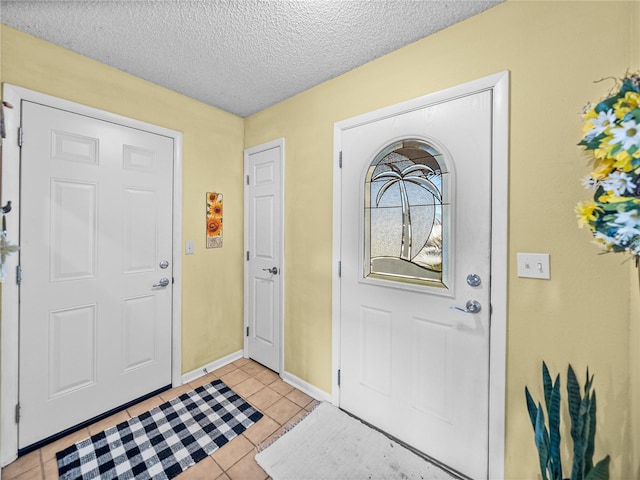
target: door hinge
<point>339,269</point>
<point>340,160</point>
<point>339,377</point>
<point>19,275</point>
<point>20,136</point>
<point>247,179</point>
<point>247,255</point>
<point>247,331</point>
<point>17,413</point>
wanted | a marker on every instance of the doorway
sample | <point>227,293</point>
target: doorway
<point>420,292</point>
<point>264,260</point>
<point>101,170</point>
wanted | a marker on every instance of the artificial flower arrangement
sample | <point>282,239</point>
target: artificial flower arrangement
<point>612,135</point>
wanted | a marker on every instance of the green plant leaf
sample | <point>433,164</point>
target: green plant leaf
<point>600,471</point>
<point>591,425</point>
<point>542,442</point>
<point>531,407</point>
<point>554,431</point>
<point>548,386</point>
<point>575,402</point>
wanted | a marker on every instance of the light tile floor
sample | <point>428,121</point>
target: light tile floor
<point>280,403</point>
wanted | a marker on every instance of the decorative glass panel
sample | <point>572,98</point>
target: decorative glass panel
<point>406,237</point>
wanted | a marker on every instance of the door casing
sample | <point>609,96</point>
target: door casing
<point>278,143</point>
<point>10,290</point>
<point>499,84</point>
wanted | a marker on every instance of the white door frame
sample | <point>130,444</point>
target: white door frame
<point>248,151</point>
<point>499,84</point>
<point>9,306</point>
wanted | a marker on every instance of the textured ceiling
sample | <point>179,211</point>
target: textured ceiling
<point>238,55</point>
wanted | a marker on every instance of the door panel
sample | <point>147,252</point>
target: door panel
<point>412,360</point>
<point>263,223</point>
<point>96,220</point>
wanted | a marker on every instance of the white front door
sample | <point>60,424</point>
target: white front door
<point>264,258</point>
<point>96,240</point>
<point>415,248</point>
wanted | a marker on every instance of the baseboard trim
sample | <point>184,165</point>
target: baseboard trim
<point>210,367</point>
<point>306,387</point>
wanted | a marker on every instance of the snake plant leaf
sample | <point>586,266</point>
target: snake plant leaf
<point>554,431</point>
<point>548,386</point>
<point>531,408</point>
<point>575,404</point>
<point>542,442</point>
<point>600,471</point>
<point>592,434</point>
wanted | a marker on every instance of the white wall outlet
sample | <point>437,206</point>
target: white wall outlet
<point>533,265</point>
<point>189,247</point>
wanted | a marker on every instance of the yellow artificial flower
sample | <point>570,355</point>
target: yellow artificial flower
<point>610,197</point>
<point>602,168</point>
<point>587,213</point>
<point>630,101</point>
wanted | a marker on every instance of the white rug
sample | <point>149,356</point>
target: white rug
<point>330,445</point>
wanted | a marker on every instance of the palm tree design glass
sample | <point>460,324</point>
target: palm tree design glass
<point>405,231</point>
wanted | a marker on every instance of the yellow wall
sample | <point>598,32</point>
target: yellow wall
<point>212,161</point>
<point>555,51</point>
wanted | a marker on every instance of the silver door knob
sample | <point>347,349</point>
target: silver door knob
<point>163,282</point>
<point>272,270</point>
<point>472,306</point>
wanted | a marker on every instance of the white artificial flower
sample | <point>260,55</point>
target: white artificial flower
<point>619,182</point>
<point>625,233</point>
<point>601,123</point>
<point>589,182</point>
<point>627,135</point>
<point>630,219</point>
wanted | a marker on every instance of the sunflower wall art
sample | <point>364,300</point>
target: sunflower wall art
<point>214,220</point>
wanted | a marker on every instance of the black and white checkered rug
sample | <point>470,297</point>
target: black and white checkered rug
<point>164,441</point>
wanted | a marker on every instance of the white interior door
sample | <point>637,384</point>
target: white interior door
<point>264,245</point>
<point>414,359</point>
<point>96,239</point>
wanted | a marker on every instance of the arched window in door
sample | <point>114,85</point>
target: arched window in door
<point>406,215</point>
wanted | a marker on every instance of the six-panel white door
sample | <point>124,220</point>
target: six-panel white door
<point>263,273</point>
<point>96,224</point>
<point>413,363</point>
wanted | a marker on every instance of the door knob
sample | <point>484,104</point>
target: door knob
<point>272,270</point>
<point>472,306</point>
<point>163,282</point>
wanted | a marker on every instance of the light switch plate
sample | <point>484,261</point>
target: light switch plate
<point>534,265</point>
<point>189,247</point>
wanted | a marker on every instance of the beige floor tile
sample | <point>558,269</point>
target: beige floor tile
<point>205,469</point>
<point>108,422</point>
<point>33,474</point>
<point>49,451</point>
<point>281,387</point>
<point>234,378</point>
<point>264,398</point>
<point>253,368</point>
<point>267,377</point>
<point>224,476</point>
<point>232,452</point>
<point>247,469</point>
<point>242,361</point>
<point>203,380</point>
<point>21,465</point>
<point>299,398</point>
<point>176,392</point>
<point>261,430</point>
<point>51,469</point>
<point>145,406</point>
<point>248,387</point>
<point>224,370</point>
<point>282,410</point>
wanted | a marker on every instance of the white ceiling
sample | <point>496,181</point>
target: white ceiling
<point>238,55</point>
